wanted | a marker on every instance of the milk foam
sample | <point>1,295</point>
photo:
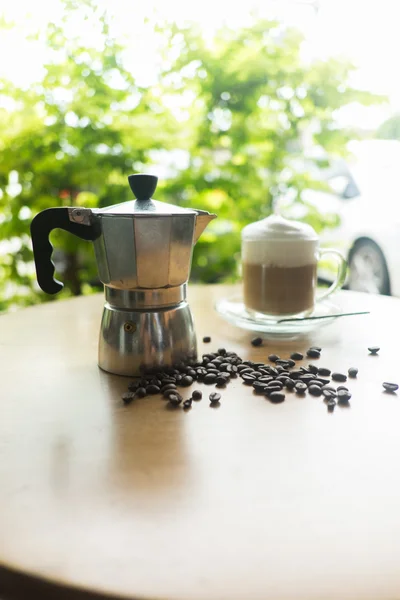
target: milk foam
<point>276,241</point>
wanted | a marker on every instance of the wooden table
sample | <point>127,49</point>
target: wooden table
<point>251,500</point>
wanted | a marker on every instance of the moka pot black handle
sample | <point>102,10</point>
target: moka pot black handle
<point>41,227</point>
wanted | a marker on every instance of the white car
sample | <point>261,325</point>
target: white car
<point>366,199</point>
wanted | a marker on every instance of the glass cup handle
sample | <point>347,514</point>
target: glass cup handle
<point>341,273</point>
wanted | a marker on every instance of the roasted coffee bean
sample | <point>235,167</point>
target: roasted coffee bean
<point>242,367</point>
<point>257,341</point>
<point>295,374</point>
<point>169,393</point>
<point>273,371</point>
<point>318,348</point>
<point>214,397</point>
<point>224,366</point>
<point>296,356</point>
<point>213,371</point>
<point>277,397</point>
<point>248,379</point>
<point>282,362</point>
<point>353,372</point>
<point>167,380</point>
<point>153,389</point>
<point>231,369</point>
<point>339,377</point>
<point>275,383</point>
<point>374,349</point>
<point>314,390</point>
<point>331,403</point>
<point>265,379</point>
<point>140,392</point>
<point>206,339</point>
<point>246,370</point>
<point>197,395</point>
<point>273,357</point>
<point>282,378</point>
<point>324,371</point>
<point>133,386</point>
<point>168,386</point>
<point>187,403</point>
<point>127,397</point>
<point>222,351</point>
<point>259,388</point>
<point>174,399</point>
<point>186,381</point>
<point>225,375</point>
<point>313,369</point>
<point>390,387</point>
<point>307,377</point>
<point>322,380</point>
<point>300,387</point>
<point>192,373</point>
<point>289,384</point>
<point>320,384</point>
<point>313,353</point>
<point>178,377</point>
<point>343,397</point>
<point>330,388</point>
<point>210,378</point>
<point>221,381</point>
<point>342,387</point>
<point>329,393</point>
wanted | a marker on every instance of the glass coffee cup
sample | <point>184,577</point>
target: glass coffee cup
<point>279,263</point>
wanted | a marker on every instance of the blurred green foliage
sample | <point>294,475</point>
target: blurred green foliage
<point>230,116</point>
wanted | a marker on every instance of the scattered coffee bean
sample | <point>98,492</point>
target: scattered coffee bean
<point>329,393</point>
<point>296,356</point>
<point>342,387</point>
<point>321,380</point>
<point>277,397</point>
<point>206,339</point>
<point>324,372</point>
<point>210,378</point>
<point>222,351</point>
<point>314,390</point>
<point>257,341</point>
<point>275,384</point>
<point>127,397</point>
<point>186,381</point>
<point>390,387</point>
<point>214,397</point>
<point>313,369</point>
<point>295,374</point>
<point>374,349</point>
<point>153,389</point>
<point>331,405</point>
<point>187,403</point>
<point>289,384</point>
<point>259,387</point>
<point>307,377</point>
<point>221,381</point>
<point>353,372</point>
<point>343,397</point>
<point>300,387</point>
<point>197,395</point>
<point>140,392</point>
<point>168,386</point>
<point>175,399</point>
<point>313,353</point>
<point>339,377</point>
<point>273,357</point>
<point>133,386</point>
<point>318,348</point>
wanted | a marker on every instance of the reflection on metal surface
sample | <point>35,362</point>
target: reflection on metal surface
<point>162,337</point>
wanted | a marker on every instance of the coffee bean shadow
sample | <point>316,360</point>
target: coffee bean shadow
<point>149,451</point>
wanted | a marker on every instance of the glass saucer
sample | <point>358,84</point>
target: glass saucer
<point>233,310</point>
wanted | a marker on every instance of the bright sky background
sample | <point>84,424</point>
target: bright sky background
<point>366,31</point>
